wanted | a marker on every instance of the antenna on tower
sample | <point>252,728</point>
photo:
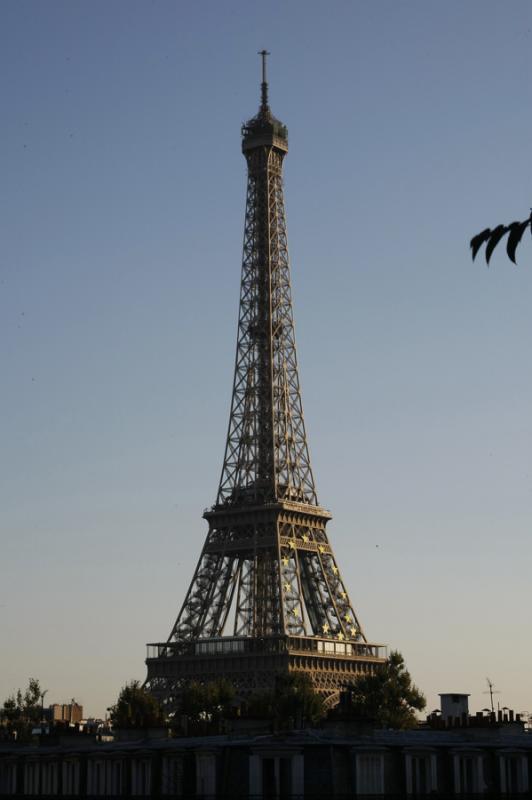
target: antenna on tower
<point>264,84</point>
<point>491,691</point>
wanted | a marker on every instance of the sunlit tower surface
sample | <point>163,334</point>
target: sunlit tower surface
<point>267,596</point>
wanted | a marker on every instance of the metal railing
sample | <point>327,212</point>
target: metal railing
<point>240,645</point>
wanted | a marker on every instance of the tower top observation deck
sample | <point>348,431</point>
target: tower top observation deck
<point>264,130</point>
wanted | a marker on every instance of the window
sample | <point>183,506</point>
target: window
<point>206,773</point>
<point>214,646</point>
<point>420,773</point>
<point>70,777</point>
<point>276,777</point>
<point>468,773</point>
<point>48,778</point>
<point>370,773</point>
<point>31,778</point>
<point>96,778</point>
<point>513,773</point>
<point>340,648</point>
<point>8,778</point>
<point>114,778</point>
<point>172,776</point>
<point>140,777</point>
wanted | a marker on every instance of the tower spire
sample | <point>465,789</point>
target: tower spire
<point>264,85</point>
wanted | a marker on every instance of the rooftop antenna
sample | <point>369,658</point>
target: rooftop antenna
<point>491,691</point>
<point>264,84</point>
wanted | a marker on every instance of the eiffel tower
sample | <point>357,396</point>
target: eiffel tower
<point>267,596</point>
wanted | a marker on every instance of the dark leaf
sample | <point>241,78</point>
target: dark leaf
<point>516,232</point>
<point>478,240</point>
<point>496,236</point>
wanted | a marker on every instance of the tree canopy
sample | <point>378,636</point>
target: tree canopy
<point>293,699</point>
<point>136,708</point>
<point>21,711</point>
<point>387,696</point>
<point>208,701</point>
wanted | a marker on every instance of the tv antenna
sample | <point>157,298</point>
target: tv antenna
<point>491,691</point>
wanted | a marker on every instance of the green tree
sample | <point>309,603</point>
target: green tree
<point>22,711</point>
<point>207,701</point>
<point>136,708</point>
<point>387,696</point>
<point>293,699</point>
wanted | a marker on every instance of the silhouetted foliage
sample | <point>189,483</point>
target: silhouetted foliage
<point>22,711</point>
<point>294,700</point>
<point>208,701</point>
<point>491,238</point>
<point>386,697</point>
<point>136,708</point>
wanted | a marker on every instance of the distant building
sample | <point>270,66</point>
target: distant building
<point>454,706</point>
<point>66,712</point>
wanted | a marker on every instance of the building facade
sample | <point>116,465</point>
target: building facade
<point>460,762</point>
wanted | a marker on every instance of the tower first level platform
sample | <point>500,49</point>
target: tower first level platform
<point>252,664</point>
<point>267,598</point>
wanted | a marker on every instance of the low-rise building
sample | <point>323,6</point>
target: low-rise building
<point>487,760</point>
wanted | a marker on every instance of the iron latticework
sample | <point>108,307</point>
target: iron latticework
<point>267,595</point>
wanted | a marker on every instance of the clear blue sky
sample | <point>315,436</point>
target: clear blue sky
<point>122,212</point>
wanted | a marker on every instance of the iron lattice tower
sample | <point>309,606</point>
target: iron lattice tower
<point>267,595</point>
